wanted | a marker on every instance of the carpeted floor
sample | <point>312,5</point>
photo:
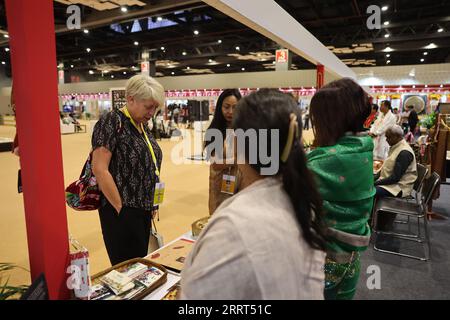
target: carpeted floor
<point>405,278</point>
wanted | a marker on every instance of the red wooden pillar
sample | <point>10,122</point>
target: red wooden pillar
<point>320,76</point>
<point>33,56</point>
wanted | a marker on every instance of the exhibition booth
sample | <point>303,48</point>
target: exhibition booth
<point>59,263</point>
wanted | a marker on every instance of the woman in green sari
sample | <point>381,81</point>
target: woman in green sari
<point>342,163</point>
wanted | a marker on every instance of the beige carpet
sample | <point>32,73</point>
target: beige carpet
<point>185,201</point>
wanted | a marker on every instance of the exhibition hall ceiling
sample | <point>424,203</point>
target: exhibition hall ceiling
<point>190,37</point>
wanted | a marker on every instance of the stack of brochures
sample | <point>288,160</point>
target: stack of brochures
<point>126,284</point>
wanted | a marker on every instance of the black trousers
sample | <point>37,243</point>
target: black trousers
<point>126,235</point>
<point>306,123</point>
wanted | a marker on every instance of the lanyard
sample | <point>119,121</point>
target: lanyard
<point>150,147</point>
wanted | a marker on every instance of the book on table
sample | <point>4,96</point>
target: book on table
<point>173,256</point>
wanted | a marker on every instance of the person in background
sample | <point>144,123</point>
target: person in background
<point>397,175</point>
<point>126,161</point>
<point>385,120</point>
<point>222,120</point>
<point>397,115</point>
<point>371,118</point>
<point>404,120</point>
<point>267,241</point>
<point>72,119</point>
<point>176,114</point>
<point>342,163</point>
<point>413,119</point>
<point>306,119</point>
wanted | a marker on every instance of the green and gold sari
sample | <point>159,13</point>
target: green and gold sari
<point>344,176</point>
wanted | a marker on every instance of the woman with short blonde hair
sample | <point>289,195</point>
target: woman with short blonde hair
<point>126,160</point>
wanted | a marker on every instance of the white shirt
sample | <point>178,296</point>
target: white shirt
<point>252,248</point>
<point>380,126</point>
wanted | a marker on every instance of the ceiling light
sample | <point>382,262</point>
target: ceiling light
<point>91,72</point>
<point>210,60</point>
<point>387,35</point>
<point>440,30</point>
<point>237,48</point>
<point>431,46</point>
<point>124,72</point>
<point>106,71</point>
<point>219,41</point>
<point>426,86</point>
<point>243,69</point>
<point>3,62</point>
<point>112,76</point>
<point>123,9</point>
<point>274,62</point>
<point>184,53</point>
<point>388,49</point>
<point>71,66</point>
<point>6,36</point>
<point>228,65</point>
<point>388,55</point>
<point>384,8</point>
<point>173,73</point>
<point>136,43</point>
<point>196,32</point>
<point>86,31</point>
<point>414,86</point>
<point>88,49</point>
<point>159,19</point>
<point>189,68</point>
<point>6,49</point>
<point>441,86</point>
<point>425,53</point>
<point>162,48</point>
<point>386,23</point>
<point>389,61</point>
<point>422,60</point>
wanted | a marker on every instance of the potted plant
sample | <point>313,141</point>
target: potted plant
<point>7,291</point>
<point>429,121</point>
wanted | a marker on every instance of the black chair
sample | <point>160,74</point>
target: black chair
<point>422,172</point>
<point>414,209</point>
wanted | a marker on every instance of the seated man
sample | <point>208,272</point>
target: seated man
<point>398,173</point>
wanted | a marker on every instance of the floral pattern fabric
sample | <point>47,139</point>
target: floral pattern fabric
<point>131,166</point>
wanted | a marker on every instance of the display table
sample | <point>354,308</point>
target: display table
<point>67,128</point>
<point>172,277</point>
<point>80,128</point>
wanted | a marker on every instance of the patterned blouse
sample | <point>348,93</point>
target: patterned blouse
<point>131,165</point>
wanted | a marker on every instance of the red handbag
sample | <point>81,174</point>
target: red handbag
<point>84,194</point>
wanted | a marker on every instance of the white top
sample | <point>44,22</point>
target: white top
<point>252,248</point>
<point>380,126</point>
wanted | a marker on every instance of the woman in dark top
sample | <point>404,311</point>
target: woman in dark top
<point>126,161</point>
<point>223,117</point>
<point>413,119</point>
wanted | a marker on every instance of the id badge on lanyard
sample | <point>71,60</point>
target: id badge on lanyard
<point>159,194</point>
<point>228,183</point>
